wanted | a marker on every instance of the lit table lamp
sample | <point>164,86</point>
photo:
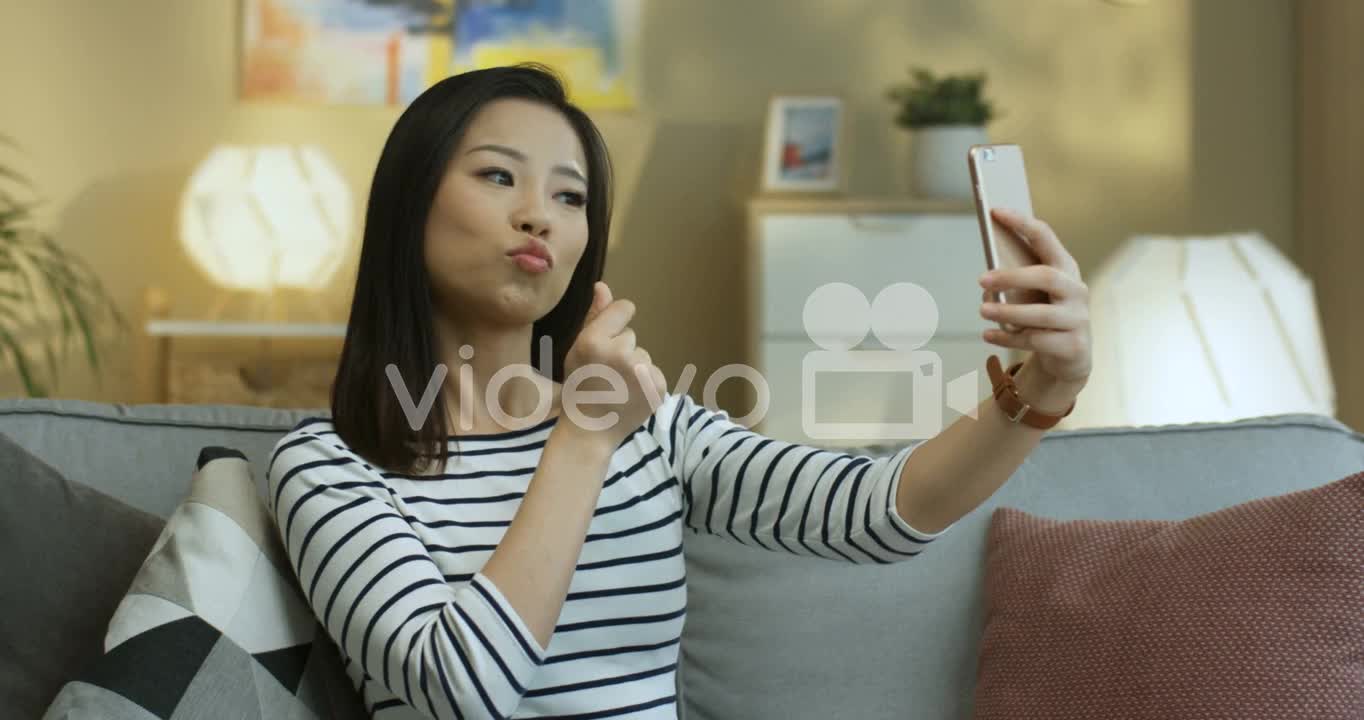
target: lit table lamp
<point>1202,329</point>
<point>258,219</point>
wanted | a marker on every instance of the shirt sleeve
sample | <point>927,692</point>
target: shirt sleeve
<point>449,651</point>
<point>785,496</point>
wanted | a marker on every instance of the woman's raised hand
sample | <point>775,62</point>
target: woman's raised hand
<point>611,385</point>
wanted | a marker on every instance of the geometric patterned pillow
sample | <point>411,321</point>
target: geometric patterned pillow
<point>215,624</point>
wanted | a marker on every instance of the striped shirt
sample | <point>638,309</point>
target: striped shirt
<point>391,564</point>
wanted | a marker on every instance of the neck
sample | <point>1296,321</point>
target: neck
<point>474,355</point>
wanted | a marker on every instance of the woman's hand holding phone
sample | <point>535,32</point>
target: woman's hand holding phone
<point>1057,331</point>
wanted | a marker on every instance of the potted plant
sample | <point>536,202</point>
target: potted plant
<point>945,117</point>
<point>49,298</point>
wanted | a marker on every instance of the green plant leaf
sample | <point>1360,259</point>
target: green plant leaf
<point>8,317</point>
<point>14,176</point>
<point>82,303</point>
<point>81,297</point>
<point>52,364</point>
<point>87,335</point>
<point>60,291</point>
<point>14,214</point>
<point>18,270</point>
<point>941,100</point>
<point>54,284</point>
<point>21,364</point>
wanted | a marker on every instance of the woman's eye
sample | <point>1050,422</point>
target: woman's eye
<point>501,177</point>
<point>575,199</point>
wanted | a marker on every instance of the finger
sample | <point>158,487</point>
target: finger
<point>624,343</point>
<point>612,320</point>
<point>1040,237</point>
<point>651,382</point>
<point>1046,278</point>
<point>1054,342</point>
<point>1035,315</point>
<point>660,385</point>
<point>640,362</point>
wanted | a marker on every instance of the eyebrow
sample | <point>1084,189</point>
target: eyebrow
<point>520,156</point>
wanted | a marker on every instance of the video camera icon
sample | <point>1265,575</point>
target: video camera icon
<point>904,317</point>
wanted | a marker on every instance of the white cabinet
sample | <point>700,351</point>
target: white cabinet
<point>877,390</point>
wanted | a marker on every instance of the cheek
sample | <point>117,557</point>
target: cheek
<point>460,211</point>
<point>461,229</point>
<point>574,240</point>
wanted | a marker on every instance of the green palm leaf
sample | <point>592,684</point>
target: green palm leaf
<point>16,353</point>
<point>39,279</point>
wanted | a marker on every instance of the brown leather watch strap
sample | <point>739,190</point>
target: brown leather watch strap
<point>1006,396</point>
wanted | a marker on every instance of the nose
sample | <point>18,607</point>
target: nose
<point>531,217</point>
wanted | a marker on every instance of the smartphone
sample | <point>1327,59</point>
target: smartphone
<point>999,180</point>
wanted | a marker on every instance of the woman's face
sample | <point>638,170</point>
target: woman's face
<point>518,178</point>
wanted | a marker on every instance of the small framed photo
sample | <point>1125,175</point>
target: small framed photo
<point>804,150</point>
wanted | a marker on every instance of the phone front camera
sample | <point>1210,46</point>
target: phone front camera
<point>989,154</point>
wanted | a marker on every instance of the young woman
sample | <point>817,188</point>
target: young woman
<point>470,565</point>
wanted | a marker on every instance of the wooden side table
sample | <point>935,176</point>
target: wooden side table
<point>270,364</point>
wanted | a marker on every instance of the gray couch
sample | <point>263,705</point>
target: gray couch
<point>774,636</point>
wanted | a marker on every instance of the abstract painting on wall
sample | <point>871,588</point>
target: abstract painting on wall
<point>389,51</point>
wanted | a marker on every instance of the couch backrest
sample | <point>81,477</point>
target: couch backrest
<point>776,636</point>
<point>142,454</point>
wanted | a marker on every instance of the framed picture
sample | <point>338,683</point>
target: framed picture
<point>804,150</point>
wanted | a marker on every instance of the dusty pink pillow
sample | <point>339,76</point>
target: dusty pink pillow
<point>1253,611</point>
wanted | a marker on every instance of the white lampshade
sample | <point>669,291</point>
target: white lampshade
<point>260,218</point>
<point>1202,329</point>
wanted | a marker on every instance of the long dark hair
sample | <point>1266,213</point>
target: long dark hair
<point>391,315</point>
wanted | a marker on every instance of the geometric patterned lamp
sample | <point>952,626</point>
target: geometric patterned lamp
<point>1202,329</point>
<point>261,218</point>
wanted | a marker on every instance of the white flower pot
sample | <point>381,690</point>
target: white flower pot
<point>938,167</point>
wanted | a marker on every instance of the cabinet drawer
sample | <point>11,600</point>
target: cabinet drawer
<point>883,394</point>
<point>798,253</point>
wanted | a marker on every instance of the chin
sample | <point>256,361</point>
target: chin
<point>524,303</point>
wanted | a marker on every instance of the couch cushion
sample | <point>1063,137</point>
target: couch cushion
<point>773,636</point>
<point>1254,611</point>
<point>214,624</point>
<point>69,554</point>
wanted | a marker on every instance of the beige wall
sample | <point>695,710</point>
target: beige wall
<point>1171,117</point>
<point>1329,215</point>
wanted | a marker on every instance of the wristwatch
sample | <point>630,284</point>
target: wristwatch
<point>1006,396</point>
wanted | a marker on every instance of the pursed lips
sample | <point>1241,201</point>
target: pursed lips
<point>535,248</point>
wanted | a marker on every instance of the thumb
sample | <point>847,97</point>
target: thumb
<point>601,297</point>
